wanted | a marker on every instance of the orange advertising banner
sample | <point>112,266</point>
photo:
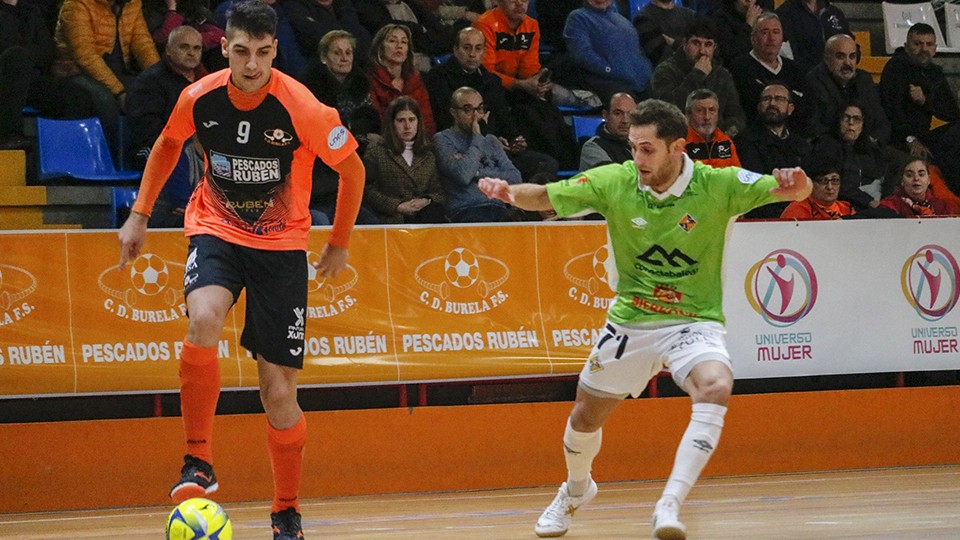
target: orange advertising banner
<point>414,304</point>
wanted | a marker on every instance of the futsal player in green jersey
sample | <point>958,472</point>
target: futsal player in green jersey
<point>667,218</point>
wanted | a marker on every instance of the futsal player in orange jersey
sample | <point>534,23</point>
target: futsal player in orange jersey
<point>248,221</point>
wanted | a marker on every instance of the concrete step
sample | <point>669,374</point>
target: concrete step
<point>23,195</point>
<point>13,168</point>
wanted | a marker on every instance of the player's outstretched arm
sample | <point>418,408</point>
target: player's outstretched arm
<point>524,196</point>
<point>792,184</point>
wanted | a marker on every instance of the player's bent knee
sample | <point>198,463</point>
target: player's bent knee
<point>715,390</point>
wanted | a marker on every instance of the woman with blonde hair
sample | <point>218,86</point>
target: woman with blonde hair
<point>392,74</point>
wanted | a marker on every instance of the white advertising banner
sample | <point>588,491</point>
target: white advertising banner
<point>861,296</point>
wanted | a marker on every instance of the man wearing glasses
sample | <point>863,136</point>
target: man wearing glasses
<point>822,202</point>
<point>464,155</point>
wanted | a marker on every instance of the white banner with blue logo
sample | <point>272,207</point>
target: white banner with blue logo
<point>832,297</point>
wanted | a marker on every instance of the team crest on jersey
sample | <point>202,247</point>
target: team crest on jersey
<point>667,294</point>
<point>595,364</point>
<point>687,223</point>
<point>277,137</point>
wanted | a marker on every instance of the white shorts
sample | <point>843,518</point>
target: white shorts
<point>624,359</point>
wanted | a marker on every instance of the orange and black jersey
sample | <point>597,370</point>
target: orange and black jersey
<point>259,148</point>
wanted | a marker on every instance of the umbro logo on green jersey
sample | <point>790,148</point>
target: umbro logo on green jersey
<point>639,223</point>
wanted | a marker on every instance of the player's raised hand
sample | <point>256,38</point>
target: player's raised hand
<point>132,235</point>
<point>332,261</point>
<point>496,188</point>
<point>792,184</point>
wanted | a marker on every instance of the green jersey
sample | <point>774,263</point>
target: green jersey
<point>667,249</point>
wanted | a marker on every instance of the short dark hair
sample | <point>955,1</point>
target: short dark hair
<point>702,27</point>
<point>253,17</point>
<point>922,29</point>
<point>669,122</point>
<point>390,139</point>
<point>781,83</point>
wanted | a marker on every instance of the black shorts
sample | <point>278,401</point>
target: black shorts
<point>276,284</point>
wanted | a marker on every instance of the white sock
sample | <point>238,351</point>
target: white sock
<point>579,449</point>
<point>696,447</point>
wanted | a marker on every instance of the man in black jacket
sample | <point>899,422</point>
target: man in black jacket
<point>312,19</point>
<point>769,144</point>
<point>914,90</point>
<point>465,68</point>
<point>152,98</point>
<point>837,81</point>
<point>610,144</point>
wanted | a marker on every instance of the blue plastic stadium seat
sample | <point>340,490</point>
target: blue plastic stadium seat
<point>121,201</point>
<point>78,149</point>
<point>585,127</point>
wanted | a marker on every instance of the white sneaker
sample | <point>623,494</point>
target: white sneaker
<point>666,524</point>
<point>556,519</point>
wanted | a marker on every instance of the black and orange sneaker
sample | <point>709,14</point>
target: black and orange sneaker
<point>286,525</point>
<point>196,480</point>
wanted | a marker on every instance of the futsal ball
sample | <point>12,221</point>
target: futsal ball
<point>149,274</point>
<point>461,268</point>
<point>600,257</point>
<point>199,519</point>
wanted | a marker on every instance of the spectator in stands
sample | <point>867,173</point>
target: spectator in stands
<point>837,81</point>
<point>163,16</point>
<point>914,90</point>
<point>863,162</point>
<point>913,198</point>
<point>769,143</point>
<point>464,155</point>
<point>456,14</point>
<point>807,24</point>
<point>694,66</point>
<point>705,141</point>
<point>763,64</point>
<point>465,68</point>
<point>153,95</point>
<point>334,78</point>
<point>604,45</point>
<point>27,52</point>
<point>551,17</point>
<point>313,19</point>
<point>514,54</point>
<point>428,35</point>
<point>671,21</point>
<point>102,46</point>
<point>734,21</point>
<point>822,203</point>
<point>402,182</point>
<point>288,60</point>
<point>610,144</point>
<point>392,74</point>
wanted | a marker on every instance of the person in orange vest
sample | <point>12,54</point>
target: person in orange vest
<point>822,202</point>
<point>705,141</point>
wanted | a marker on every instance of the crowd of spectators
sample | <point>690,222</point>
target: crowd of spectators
<point>442,92</point>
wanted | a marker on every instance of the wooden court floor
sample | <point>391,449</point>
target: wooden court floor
<point>876,503</point>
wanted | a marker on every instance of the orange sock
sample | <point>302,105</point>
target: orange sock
<point>286,459</point>
<point>199,391</point>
